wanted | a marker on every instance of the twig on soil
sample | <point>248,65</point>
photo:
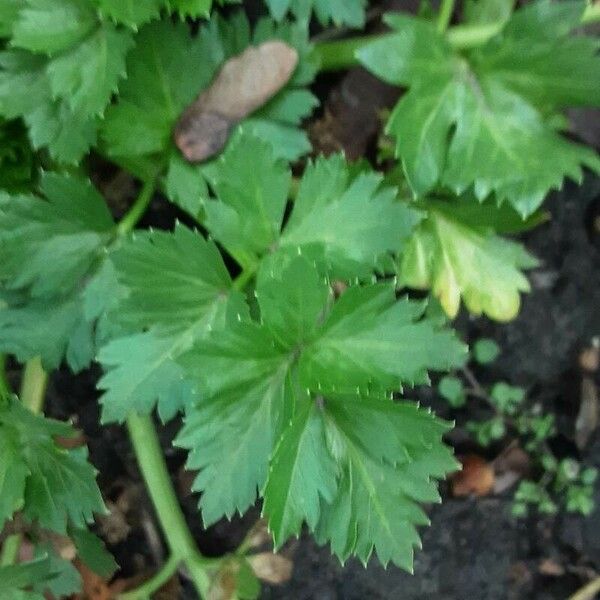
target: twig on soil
<point>588,591</point>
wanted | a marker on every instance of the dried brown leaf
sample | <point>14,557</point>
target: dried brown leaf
<point>475,479</point>
<point>244,84</point>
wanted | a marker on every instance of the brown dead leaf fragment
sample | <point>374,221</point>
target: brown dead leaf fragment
<point>272,568</point>
<point>476,477</point>
<point>244,84</point>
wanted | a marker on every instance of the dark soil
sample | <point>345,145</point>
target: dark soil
<point>474,549</point>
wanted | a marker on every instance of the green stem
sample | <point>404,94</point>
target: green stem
<point>10,550</point>
<point>136,212</point>
<point>445,15</point>
<point>153,584</point>
<point>33,389</point>
<point>33,385</point>
<point>242,280</point>
<point>341,54</point>
<point>152,465</point>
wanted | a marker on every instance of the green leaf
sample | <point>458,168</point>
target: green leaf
<point>50,484</point>
<point>506,397</point>
<point>15,579</point>
<point>482,12</point>
<point>341,12</point>
<point>42,309</point>
<point>92,551</point>
<point>485,351</point>
<point>9,13</point>
<point>53,330</point>
<point>346,224</point>
<point>88,74</point>
<point>177,290</point>
<point>132,13</point>
<point>186,186</point>
<point>83,64</point>
<point>65,579</point>
<point>349,224</point>
<point>370,338</point>
<point>331,454</point>
<point>253,378</point>
<point>456,260</point>
<point>480,121</point>
<point>232,429</point>
<point>452,389</point>
<point>52,26</point>
<point>71,225</point>
<point>142,121</point>
<point>25,92</point>
<point>302,473</point>
<point>252,187</point>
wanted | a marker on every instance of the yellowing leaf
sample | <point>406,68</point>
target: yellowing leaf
<point>456,260</point>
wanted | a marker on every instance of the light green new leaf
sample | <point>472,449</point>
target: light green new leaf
<point>302,473</point>
<point>176,290</point>
<point>369,339</point>
<point>480,120</point>
<point>341,12</point>
<point>50,484</point>
<point>460,260</point>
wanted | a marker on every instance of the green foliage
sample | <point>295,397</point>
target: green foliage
<point>452,389</point>
<point>50,484</point>
<point>481,119</point>
<point>344,222</point>
<point>176,290</point>
<point>63,66</point>
<point>18,582</point>
<point>341,12</point>
<point>43,309</point>
<point>287,375</point>
<point>134,13</point>
<point>273,392</point>
<point>485,351</point>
